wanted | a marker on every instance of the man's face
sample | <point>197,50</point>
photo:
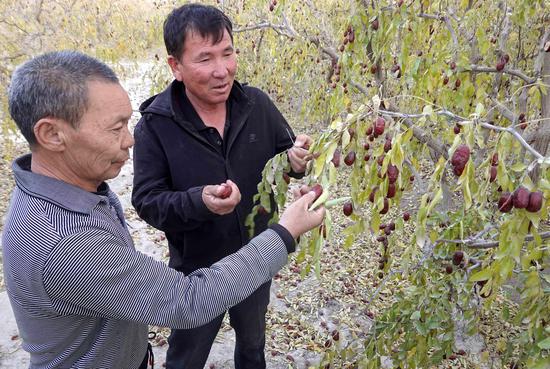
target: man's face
<point>98,148</point>
<point>207,70</point>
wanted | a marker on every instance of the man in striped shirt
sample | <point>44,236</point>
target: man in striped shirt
<point>81,294</point>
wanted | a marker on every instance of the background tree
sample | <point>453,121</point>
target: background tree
<point>452,94</point>
<point>105,29</point>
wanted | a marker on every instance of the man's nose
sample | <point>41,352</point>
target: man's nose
<point>128,140</point>
<point>220,69</point>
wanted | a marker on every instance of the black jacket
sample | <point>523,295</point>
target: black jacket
<point>173,162</point>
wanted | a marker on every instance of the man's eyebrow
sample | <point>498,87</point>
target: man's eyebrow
<point>203,54</point>
<point>121,118</point>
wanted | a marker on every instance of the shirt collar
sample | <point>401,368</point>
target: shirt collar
<point>53,190</point>
<point>182,107</point>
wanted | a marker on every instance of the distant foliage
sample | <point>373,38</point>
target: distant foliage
<point>110,30</point>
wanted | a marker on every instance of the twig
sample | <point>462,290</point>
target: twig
<point>279,28</point>
<point>428,252</point>
<point>460,119</point>
<point>287,31</point>
<point>490,244</point>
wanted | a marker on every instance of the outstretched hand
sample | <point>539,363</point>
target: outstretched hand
<point>297,219</point>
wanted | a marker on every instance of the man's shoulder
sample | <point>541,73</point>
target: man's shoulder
<point>159,104</point>
<point>256,96</point>
<point>252,91</point>
<point>31,218</point>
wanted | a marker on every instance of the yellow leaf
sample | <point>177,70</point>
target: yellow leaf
<point>345,139</point>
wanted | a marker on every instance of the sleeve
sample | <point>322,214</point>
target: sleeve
<point>284,135</point>
<point>93,274</point>
<point>153,197</point>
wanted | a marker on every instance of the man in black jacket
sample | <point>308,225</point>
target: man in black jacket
<point>207,129</point>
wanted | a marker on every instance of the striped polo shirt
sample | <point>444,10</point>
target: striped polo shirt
<point>83,296</point>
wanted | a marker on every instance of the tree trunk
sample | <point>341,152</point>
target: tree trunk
<point>542,135</point>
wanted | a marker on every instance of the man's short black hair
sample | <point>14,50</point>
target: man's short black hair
<point>208,21</point>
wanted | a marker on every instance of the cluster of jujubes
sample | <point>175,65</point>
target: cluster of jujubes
<point>521,198</point>
<point>349,38</point>
<point>445,80</point>
<point>386,230</point>
<point>272,5</point>
<point>337,69</point>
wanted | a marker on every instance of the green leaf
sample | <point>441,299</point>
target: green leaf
<point>544,344</point>
<point>428,110</point>
<point>506,266</point>
<point>482,275</point>
<point>345,139</point>
<point>479,109</point>
<point>408,135</point>
<point>437,198</point>
<point>543,363</point>
<point>518,167</point>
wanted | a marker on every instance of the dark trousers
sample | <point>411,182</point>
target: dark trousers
<point>148,359</point>
<point>189,348</point>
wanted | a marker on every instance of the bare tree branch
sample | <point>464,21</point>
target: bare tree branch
<point>512,72</point>
<point>287,31</point>
<point>460,120</point>
<point>504,111</point>
<point>421,135</point>
<point>445,19</point>
<point>542,141</point>
<point>279,28</point>
<point>541,53</point>
<point>493,244</point>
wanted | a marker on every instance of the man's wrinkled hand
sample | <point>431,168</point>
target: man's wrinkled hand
<point>221,199</point>
<point>297,219</point>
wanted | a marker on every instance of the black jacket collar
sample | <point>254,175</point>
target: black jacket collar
<point>164,104</point>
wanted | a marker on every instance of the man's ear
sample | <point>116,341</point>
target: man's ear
<point>175,65</point>
<point>49,133</point>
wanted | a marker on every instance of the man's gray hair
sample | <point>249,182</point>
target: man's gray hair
<point>53,85</point>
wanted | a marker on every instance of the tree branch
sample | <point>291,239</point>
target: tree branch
<point>504,111</point>
<point>461,120</point>
<point>445,19</point>
<point>473,244</point>
<point>540,56</point>
<point>493,244</point>
<point>512,72</point>
<point>279,28</point>
<point>287,31</point>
